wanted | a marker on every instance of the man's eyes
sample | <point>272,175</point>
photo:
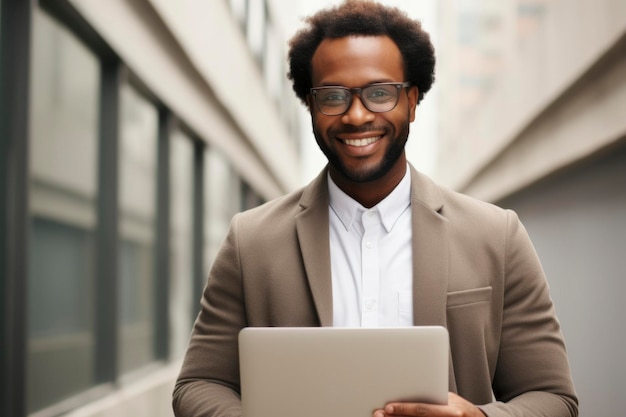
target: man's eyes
<point>334,97</point>
<point>378,94</point>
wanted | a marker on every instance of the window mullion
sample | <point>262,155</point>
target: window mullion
<point>15,33</point>
<point>162,259</point>
<point>198,226</point>
<point>107,294</point>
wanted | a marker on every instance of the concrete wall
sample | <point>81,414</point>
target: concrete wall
<point>577,220</point>
<point>587,117</point>
<point>554,97</point>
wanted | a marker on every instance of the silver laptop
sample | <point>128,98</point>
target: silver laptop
<point>333,371</point>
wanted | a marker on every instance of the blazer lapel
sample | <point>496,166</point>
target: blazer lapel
<point>430,258</point>
<point>312,230</point>
<point>430,252</point>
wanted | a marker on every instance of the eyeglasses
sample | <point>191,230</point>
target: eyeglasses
<point>377,98</point>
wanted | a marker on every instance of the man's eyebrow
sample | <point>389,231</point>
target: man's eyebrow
<point>381,81</point>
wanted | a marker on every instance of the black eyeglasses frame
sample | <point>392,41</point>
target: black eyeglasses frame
<point>357,91</point>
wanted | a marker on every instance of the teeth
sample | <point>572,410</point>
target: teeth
<point>361,142</point>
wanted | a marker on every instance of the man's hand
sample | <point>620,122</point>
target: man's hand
<point>457,407</point>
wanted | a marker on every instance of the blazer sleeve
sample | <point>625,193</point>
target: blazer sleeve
<point>532,375</point>
<point>208,384</point>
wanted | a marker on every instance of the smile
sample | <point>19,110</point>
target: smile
<point>361,142</point>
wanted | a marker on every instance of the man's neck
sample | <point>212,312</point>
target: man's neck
<point>369,193</point>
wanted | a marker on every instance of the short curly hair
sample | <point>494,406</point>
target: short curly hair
<point>362,18</point>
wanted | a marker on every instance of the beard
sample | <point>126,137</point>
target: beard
<point>366,172</point>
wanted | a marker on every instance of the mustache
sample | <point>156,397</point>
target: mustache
<point>358,129</point>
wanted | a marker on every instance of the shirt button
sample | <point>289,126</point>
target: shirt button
<point>370,305</point>
<point>369,244</point>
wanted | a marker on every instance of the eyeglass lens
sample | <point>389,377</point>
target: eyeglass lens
<point>376,98</point>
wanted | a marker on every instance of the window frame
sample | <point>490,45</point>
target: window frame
<point>15,33</point>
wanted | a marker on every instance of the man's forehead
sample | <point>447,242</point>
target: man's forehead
<point>358,54</point>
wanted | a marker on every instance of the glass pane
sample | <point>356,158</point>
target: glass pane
<point>137,187</point>
<point>181,240</point>
<point>238,8</point>
<point>249,197</point>
<point>273,62</point>
<point>255,29</point>
<point>63,171</point>
<point>222,201</point>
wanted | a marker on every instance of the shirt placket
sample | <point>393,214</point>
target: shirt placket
<point>370,268</point>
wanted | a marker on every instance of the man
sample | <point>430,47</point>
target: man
<point>372,242</point>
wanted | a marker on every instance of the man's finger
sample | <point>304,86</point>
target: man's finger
<point>408,409</point>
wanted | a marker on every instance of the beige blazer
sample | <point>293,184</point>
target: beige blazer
<point>474,271</point>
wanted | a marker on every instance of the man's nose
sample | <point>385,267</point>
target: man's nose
<point>357,114</point>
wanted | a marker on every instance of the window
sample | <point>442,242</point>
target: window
<point>239,9</point>
<point>63,193</point>
<point>221,203</point>
<point>123,211</point>
<point>273,64</point>
<point>249,198</point>
<point>255,29</point>
<point>181,240</point>
<point>137,228</point>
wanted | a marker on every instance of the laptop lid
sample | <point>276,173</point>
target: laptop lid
<point>317,371</point>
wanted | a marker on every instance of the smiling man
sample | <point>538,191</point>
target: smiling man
<point>362,138</point>
<point>371,242</point>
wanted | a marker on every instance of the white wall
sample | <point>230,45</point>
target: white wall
<point>539,67</point>
<point>577,221</point>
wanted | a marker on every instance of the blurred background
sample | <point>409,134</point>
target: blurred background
<point>132,130</point>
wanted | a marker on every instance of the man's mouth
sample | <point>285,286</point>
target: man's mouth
<point>362,141</point>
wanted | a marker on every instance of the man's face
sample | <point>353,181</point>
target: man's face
<point>361,145</point>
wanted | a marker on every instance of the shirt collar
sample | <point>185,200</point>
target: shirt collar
<point>390,208</point>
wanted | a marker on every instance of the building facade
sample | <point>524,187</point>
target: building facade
<point>533,118</point>
<point>131,132</point>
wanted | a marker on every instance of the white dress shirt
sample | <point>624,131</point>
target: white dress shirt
<point>371,259</point>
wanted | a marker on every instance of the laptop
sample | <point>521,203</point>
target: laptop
<point>334,371</point>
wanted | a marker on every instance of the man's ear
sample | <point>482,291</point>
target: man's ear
<point>412,95</point>
<point>309,102</point>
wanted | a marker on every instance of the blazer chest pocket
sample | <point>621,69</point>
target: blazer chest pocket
<point>458,299</point>
<point>468,313</point>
